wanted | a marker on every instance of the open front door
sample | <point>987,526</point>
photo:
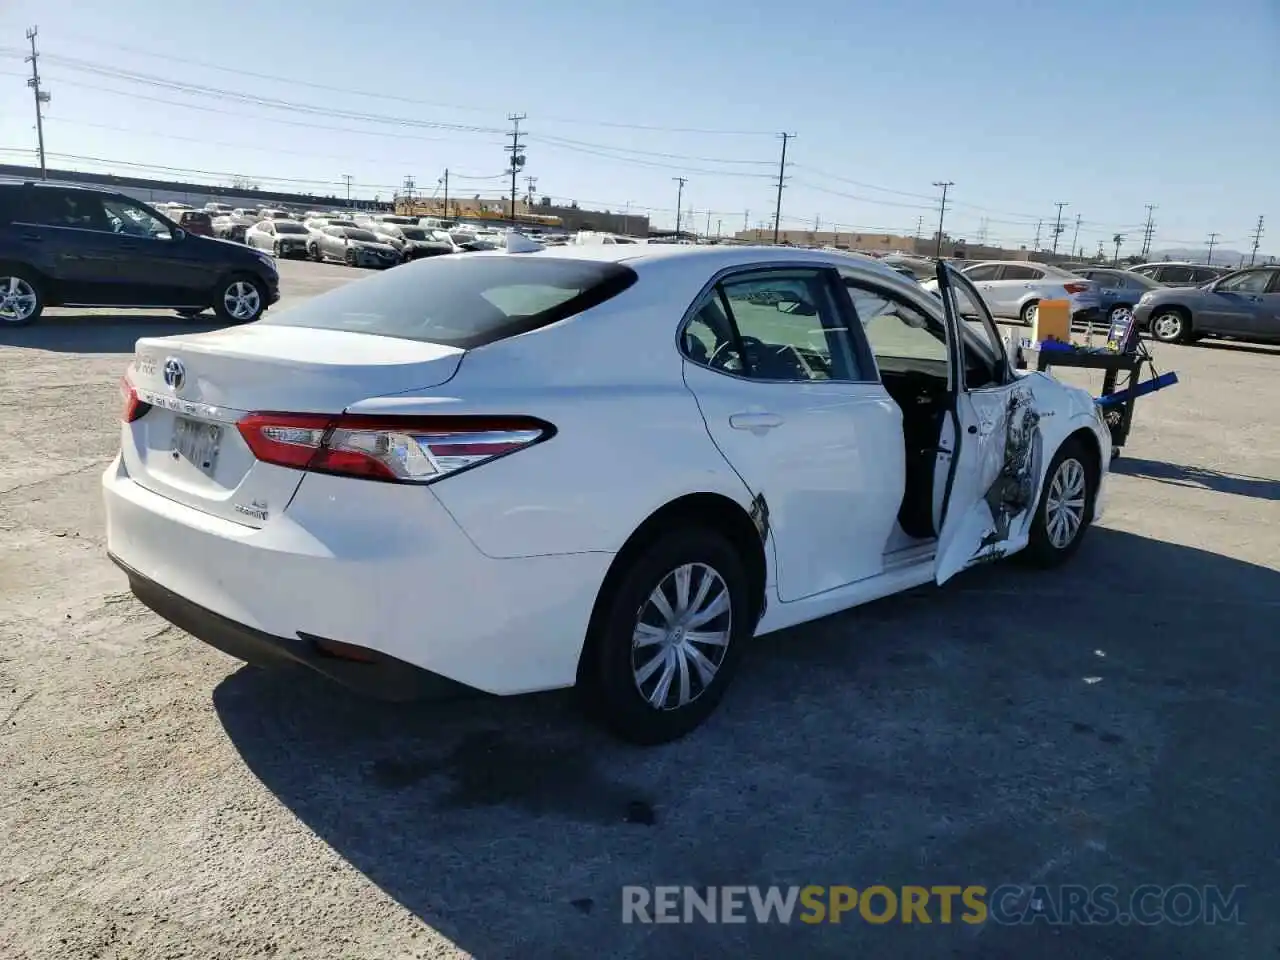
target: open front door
<point>990,445</point>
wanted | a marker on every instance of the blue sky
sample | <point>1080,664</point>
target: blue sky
<point>1104,105</point>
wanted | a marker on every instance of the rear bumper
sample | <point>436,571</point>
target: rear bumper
<point>382,567</point>
<point>380,676</point>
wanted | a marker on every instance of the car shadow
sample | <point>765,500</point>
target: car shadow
<point>1218,481</point>
<point>1268,350</point>
<point>1066,727</point>
<point>102,332</point>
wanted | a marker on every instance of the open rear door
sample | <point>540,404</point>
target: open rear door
<point>984,475</point>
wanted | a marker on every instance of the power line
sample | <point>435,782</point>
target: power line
<point>384,96</point>
<point>782,179</point>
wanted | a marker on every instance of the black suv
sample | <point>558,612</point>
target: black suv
<point>69,246</point>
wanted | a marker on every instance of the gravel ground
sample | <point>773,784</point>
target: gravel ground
<point>157,799</point>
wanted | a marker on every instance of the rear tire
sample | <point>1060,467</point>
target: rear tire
<point>240,299</point>
<point>1119,311</point>
<point>650,674</point>
<point>21,299</point>
<point>1029,313</point>
<point>1066,506</point>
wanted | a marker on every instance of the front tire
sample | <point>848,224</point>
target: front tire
<point>21,301</point>
<point>240,299</point>
<point>1170,326</point>
<point>1066,506</point>
<point>1029,313</point>
<point>665,638</point>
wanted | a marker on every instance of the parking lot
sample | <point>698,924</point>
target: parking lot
<point>1110,723</point>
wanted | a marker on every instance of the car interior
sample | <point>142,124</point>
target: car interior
<point>910,347</point>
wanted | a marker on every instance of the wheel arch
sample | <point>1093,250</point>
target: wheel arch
<point>48,287</point>
<point>747,531</point>
<point>1092,447</point>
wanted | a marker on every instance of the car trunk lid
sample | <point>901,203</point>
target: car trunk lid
<point>186,446</point>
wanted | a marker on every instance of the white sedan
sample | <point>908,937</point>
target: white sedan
<point>596,466</point>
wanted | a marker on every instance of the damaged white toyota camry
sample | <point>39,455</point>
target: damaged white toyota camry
<point>604,467</point>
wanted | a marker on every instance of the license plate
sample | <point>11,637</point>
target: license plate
<point>197,442</point>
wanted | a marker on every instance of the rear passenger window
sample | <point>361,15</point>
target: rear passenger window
<point>1016,271</point>
<point>979,274</point>
<point>1176,275</point>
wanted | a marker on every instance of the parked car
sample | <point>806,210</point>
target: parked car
<point>917,268</point>
<point>236,224</point>
<point>413,242</point>
<point>217,209</point>
<point>1118,290</point>
<point>1013,290</point>
<point>353,246</point>
<point>1244,305</point>
<point>283,238</point>
<point>267,213</point>
<point>76,247</point>
<point>647,456</point>
<point>1178,274</point>
<point>198,222</point>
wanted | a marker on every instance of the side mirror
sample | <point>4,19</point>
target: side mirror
<point>179,233</point>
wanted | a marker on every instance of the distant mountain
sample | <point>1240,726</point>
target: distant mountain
<point>1226,257</point>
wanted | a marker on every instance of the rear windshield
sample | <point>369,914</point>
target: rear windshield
<point>288,226</point>
<point>462,301</point>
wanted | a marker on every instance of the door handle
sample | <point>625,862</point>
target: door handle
<point>755,421</point>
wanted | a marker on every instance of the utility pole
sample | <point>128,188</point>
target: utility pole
<point>942,212</point>
<point>626,220</point>
<point>782,178</point>
<point>1035,245</point>
<point>718,223</point>
<point>517,158</point>
<point>41,97</point>
<point>348,178</point>
<point>707,232</point>
<point>1257,239</point>
<point>445,181</point>
<point>1057,227</point>
<point>530,183</point>
<point>919,225</point>
<point>746,220</point>
<point>1149,232</point>
<point>679,200</point>
<point>1075,237</point>
<point>1213,242</point>
<point>1117,240</point>
<point>408,188</point>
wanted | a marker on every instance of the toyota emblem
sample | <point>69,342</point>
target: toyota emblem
<point>175,374</point>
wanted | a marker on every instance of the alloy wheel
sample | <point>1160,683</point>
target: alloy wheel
<point>18,300</point>
<point>681,636</point>
<point>1167,326</point>
<point>1065,505</point>
<point>242,300</point>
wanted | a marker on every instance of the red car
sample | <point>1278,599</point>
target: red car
<point>196,221</point>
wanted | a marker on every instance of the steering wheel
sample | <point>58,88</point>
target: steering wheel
<point>716,360</point>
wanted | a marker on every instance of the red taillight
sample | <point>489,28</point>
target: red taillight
<point>1074,288</point>
<point>395,449</point>
<point>131,405</point>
